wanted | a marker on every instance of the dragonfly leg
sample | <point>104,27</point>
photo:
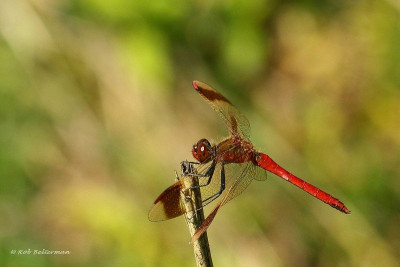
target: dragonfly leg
<point>216,195</point>
<point>193,162</point>
<point>209,173</point>
<point>221,189</point>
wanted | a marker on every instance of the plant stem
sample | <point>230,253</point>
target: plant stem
<point>192,202</point>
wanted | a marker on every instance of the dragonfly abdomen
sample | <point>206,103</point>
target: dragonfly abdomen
<point>265,162</point>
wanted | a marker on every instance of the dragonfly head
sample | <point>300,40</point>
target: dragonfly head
<point>202,151</point>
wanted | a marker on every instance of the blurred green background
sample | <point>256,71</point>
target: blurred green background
<point>97,111</point>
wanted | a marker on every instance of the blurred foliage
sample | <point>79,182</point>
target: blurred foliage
<point>97,110</point>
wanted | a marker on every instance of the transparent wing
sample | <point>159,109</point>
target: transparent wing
<point>232,173</point>
<point>240,183</point>
<point>236,188</point>
<point>237,178</point>
<point>236,122</point>
<point>169,203</point>
<point>260,174</point>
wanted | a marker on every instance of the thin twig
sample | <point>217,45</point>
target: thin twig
<point>192,202</point>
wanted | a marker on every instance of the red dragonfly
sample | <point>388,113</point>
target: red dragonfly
<point>223,177</point>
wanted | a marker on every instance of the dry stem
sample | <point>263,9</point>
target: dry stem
<point>192,202</point>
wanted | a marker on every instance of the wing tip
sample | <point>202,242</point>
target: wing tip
<point>195,85</point>
<point>150,216</point>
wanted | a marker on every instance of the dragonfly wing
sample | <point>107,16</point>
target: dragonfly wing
<point>237,186</point>
<point>231,174</point>
<point>207,222</point>
<point>168,205</point>
<point>240,183</point>
<point>213,187</point>
<point>237,177</point>
<point>236,122</point>
<point>260,174</point>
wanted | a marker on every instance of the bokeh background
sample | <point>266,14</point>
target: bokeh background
<point>97,111</point>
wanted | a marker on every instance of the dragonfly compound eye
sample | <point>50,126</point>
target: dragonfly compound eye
<point>202,150</point>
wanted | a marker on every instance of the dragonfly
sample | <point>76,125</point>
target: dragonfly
<point>228,167</point>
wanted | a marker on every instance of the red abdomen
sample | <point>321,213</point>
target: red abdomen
<point>265,162</point>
